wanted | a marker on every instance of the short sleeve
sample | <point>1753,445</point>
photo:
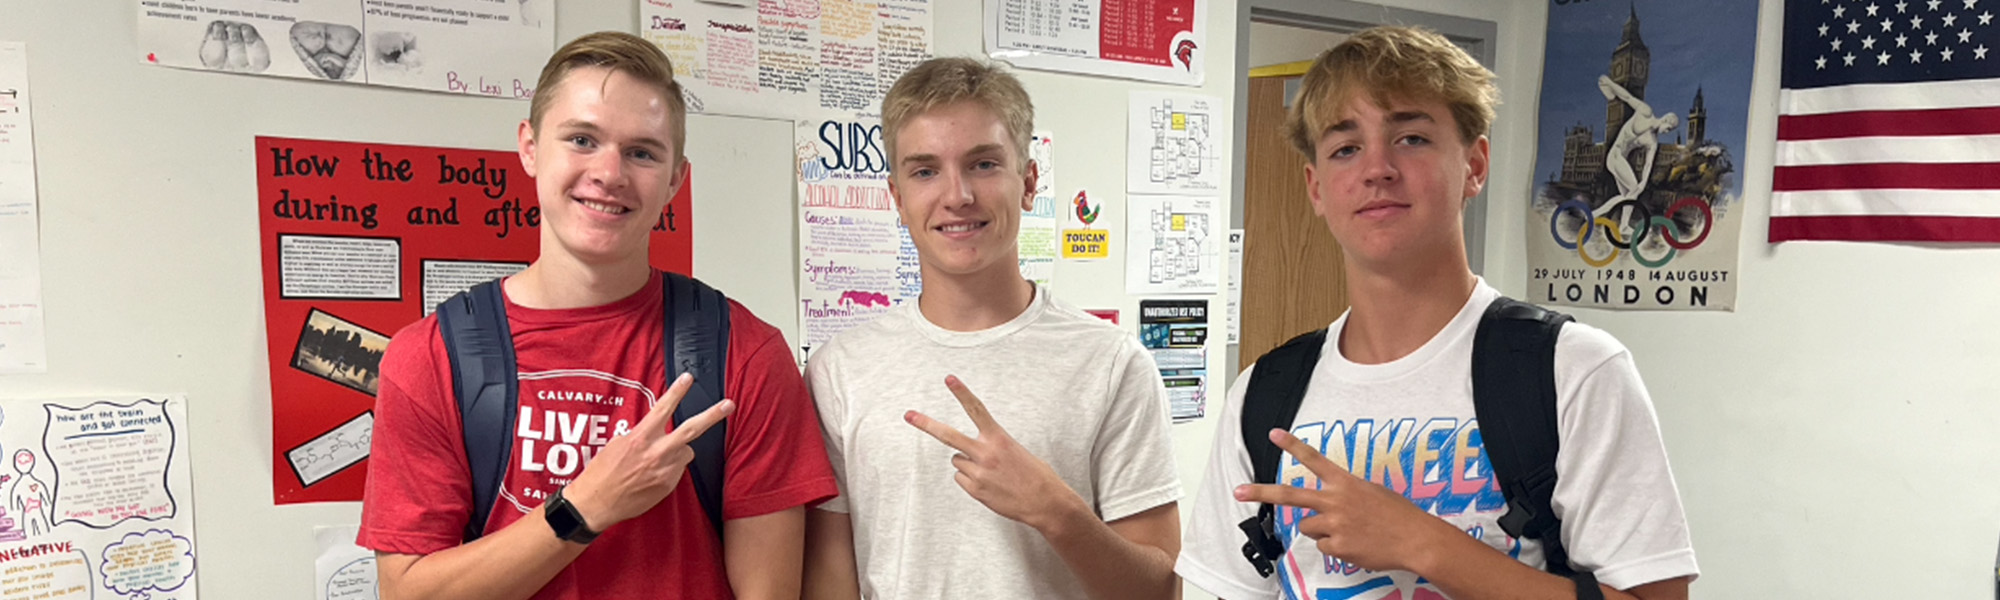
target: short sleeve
<point>1621,511</point>
<point>417,497</point>
<point>1133,466</point>
<point>1211,556</point>
<point>775,457</point>
<point>825,389</point>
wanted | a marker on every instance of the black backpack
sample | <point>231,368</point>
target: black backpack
<point>485,380</point>
<point>1513,396</point>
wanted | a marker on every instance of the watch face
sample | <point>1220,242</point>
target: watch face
<point>563,519</point>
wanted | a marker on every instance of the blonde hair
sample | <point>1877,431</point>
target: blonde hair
<point>619,52</point>
<point>1391,63</point>
<point>948,80</point>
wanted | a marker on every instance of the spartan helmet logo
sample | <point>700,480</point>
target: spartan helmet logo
<point>1184,52</point>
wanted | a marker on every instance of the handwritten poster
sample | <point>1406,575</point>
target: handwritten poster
<point>99,499</point>
<point>788,59</point>
<point>481,47</point>
<point>343,571</point>
<point>855,258</point>
<point>1164,41</point>
<point>1040,227</point>
<point>22,348</point>
<point>361,239</point>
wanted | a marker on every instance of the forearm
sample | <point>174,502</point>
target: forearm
<point>1111,566</point>
<point>763,554</point>
<point>510,564</point>
<point>1466,569</point>
<point>830,570</point>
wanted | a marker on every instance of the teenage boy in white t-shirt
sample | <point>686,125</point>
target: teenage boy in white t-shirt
<point>1385,490</point>
<point>1057,480</point>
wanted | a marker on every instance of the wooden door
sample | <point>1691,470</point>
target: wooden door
<point>1292,276</point>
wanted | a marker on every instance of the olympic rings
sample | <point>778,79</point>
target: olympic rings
<point>1582,237</point>
<point>1707,222</point>
<point>1585,255</point>
<point>1664,223</point>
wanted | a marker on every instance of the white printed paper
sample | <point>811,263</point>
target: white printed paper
<point>99,499</point>
<point>1150,40</point>
<point>1040,227</point>
<point>1233,313</point>
<point>481,47</point>
<point>22,345</point>
<point>788,59</point>
<point>333,451</point>
<point>1172,146</point>
<point>855,259</point>
<point>443,278</point>
<point>1175,332</point>
<point>313,266</point>
<point>343,571</point>
<point>1175,245</point>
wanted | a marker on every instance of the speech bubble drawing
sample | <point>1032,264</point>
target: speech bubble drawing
<point>155,560</point>
<point>355,581</point>
<point>58,575</point>
<point>110,462</point>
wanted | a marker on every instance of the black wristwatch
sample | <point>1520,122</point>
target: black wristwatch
<point>564,519</point>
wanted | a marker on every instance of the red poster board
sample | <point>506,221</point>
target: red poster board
<point>361,239</point>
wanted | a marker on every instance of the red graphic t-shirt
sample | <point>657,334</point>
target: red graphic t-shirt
<point>586,375</point>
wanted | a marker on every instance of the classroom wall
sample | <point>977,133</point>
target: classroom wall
<point>1816,433</point>
<point>1832,437</point>
<point>152,282</point>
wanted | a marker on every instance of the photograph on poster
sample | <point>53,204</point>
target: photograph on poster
<point>340,352</point>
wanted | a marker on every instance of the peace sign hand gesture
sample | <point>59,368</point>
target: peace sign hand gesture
<point>640,467</point>
<point>1359,521</point>
<point>996,470</point>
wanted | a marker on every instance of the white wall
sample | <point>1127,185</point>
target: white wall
<point>149,225</point>
<point>1833,437</point>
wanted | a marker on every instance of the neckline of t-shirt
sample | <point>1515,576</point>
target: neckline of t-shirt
<point>1459,329</point>
<point>648,294</point>
<point>968,339</point>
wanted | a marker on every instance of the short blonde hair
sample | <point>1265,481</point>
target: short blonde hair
<point>949,80</point>
<point>619,52</point>
<point>1392,63</point>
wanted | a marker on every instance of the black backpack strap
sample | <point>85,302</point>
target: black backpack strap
<point>473,324</point>
<point>1277,387</point>
<point>1514,397</point>
<point>697,341</point>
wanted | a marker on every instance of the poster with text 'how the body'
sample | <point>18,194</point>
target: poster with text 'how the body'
<point>360,240</point>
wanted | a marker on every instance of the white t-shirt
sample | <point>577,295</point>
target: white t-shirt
<point>1076,391</point>
<point>1409,424</point>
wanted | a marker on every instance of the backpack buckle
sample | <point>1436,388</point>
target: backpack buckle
<point>1263,549</point>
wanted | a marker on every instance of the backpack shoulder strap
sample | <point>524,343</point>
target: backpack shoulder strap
<point>1514,398</point>
<point>697,341</point>
<point>1277,387</point>
<point>480,347</point>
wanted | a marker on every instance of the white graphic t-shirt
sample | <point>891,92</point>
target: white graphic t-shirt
<point>1409,424</point>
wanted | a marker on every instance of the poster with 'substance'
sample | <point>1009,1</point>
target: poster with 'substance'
<point>362,239</point>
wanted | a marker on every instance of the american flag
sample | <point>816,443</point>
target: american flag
<point>1889,122</point>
